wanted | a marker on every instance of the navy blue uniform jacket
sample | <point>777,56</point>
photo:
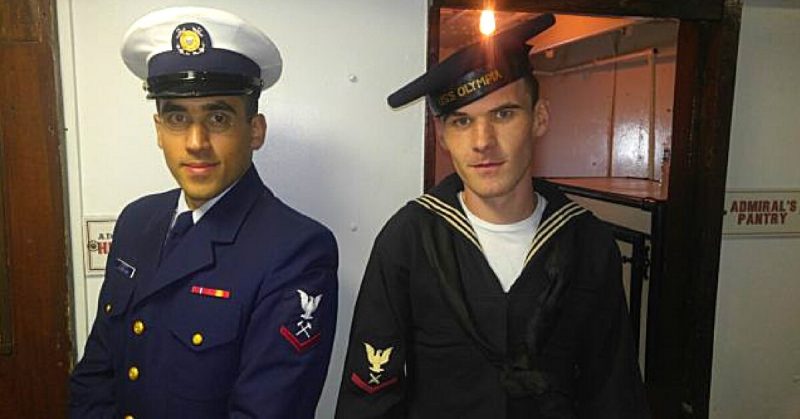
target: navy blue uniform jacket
<point>238,321</point>
<point>435,336</point>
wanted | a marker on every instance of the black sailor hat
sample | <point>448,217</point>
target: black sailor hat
<point>475,70</point>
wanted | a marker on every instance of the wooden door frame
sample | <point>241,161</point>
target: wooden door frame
<point>35,367</point>
<point>680,327</point>
<point>6,336</point>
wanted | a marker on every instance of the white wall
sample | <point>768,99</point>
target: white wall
<point>756,367</point>
<point>335,150</point>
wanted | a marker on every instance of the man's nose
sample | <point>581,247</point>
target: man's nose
<point>197,137</point>
<point>485,135</point>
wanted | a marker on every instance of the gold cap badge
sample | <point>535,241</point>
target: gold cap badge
<point>190,39</point>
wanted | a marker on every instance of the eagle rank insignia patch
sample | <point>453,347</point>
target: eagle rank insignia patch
<point>376,359</point>
<point>303,333</point>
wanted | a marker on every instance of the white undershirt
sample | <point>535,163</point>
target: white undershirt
<point>506,245</point>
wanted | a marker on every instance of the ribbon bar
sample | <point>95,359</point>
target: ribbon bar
<point>211,292</point>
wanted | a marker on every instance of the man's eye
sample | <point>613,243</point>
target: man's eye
<point>219,120</point>
<point>176,119</point>
<point>460,122</point>
<point>503,114</point>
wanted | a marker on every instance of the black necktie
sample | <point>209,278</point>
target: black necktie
<point>182,224</point>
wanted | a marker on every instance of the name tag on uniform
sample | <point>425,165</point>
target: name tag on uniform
<point>125,268</point>
<point>211,292</point>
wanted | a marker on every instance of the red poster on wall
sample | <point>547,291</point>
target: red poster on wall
<point>98,236</point>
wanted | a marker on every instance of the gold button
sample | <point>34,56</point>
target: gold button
<point>197,339</point>
<point>129,417</point>
<point>133,373</point>
<point>108,308</point>
<point>138,327</point>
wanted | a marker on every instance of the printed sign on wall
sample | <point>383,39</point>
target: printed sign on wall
<point>761,213</point>
<point>99,235</point>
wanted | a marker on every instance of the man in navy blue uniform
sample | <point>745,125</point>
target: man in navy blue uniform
<point>219,300</point>
<point>492,295</point>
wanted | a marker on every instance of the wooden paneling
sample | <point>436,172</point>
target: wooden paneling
<point>682,327</point>
<point>634,189</point>
<point>20,21</point>
<point>572,28</point>
<point>434,161</point>
<point>633,94</point>
<point>6,337</point>
<point>577,139</point>
<point>683,9</point>
<point>33,378</point>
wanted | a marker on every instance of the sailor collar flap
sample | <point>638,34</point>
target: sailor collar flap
<point>443,202</point>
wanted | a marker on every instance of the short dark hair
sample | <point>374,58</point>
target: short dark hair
<point>250,104</point>
<point>533,86</point>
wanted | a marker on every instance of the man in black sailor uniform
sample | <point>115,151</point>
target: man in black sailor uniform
<point>219,301</point>
<point>492,296</point>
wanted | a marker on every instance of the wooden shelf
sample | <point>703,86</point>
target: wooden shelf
<point>631,191</point>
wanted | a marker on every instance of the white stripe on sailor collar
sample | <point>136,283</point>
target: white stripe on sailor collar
<point>547,228</point>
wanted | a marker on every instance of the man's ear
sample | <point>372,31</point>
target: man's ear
<point>541,117</point>
<point>258,131</point>
<point>157,123</point>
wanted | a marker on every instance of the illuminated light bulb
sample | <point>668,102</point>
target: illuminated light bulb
<point>487,25</point>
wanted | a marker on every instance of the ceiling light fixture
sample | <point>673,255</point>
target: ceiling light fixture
<point>487,25</point>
